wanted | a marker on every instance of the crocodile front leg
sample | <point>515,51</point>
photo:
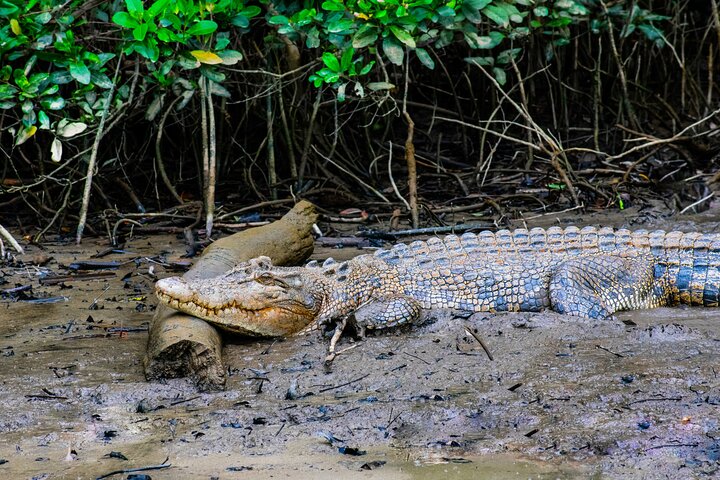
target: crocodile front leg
<point>597,286</point>
<point>377,314</point>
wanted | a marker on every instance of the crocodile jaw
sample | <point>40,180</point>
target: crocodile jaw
<point>258,315</point>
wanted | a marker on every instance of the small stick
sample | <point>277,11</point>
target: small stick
<point>480,341</point>
<point>712,194</point>
<point>619,355</point>
<point>10,239</point>
<point>93,156</point>
<point>73,278</point>
<point>327,389</point>
<point>139,469</point>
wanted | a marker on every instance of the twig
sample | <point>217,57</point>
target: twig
<point>334,387</point>
<point>621,70</point>
<point>10,239</point>
<point>392,180</point>
<point>158,155</point>
<point>555,213</point>
<point>164,464</point>
<point>355,177</point>
<point>480,341</point>
<point>712,194</point>
<point>93,155</point>
<point>600,347</point>
<point>308,138</point>
<point>662,141</point>
<point>410,149</point>
<point>257,206</point>
<point>272,173</point>
<point>211,158</point>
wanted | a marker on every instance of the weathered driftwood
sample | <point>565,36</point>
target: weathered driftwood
<point>181,345</point>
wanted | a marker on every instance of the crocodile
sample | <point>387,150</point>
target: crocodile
<point>590,273</point>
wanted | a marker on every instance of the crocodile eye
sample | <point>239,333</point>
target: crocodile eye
<point>270,280</point>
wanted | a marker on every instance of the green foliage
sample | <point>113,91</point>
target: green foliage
<point>40,56</point>
<point>394,29</point>
<point>49,72</point>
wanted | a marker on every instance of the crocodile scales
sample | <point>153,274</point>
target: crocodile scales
<point>589,272</point>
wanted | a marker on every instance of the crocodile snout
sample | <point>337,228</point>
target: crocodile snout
<point>174,287</point>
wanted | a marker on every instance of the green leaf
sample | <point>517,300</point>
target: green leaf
<point>53,103</point>
<point>103,58</point>
<point>425,58</point>
<point>477,41</point>
<point>251,11</point>
<point>7,91</point>
<point>541,11</point>
<point>27,106</point>
<point>80,72</point>
<point>446,11</point>
<point>341,25</point>
<point>506,56</point>
<point>653,33</point>
<point>497,14</point>
<point>20,79</point>
<point>366,69</point>
<point>240,20</point>
<point>366,35</point>
<point>359,90</point>
<point>51,90</point>
<point>140,31</point>
<point>221,43</point>
<point>279,20</point>
<point>331,62</point>
<point>230,57</point>
<point>403,35</point>
<point>157,7</point>
<point>56,150</point>
<point>472,14</point>
<point>499,75</point>
<point>203,27</point>
<point>154,107</point>
<point>346,59</point>
<point>341,92</point>
<point>148,49</point>
<point>100,80</point>
<point>375,86</point>
<point>481,61</point>
<point>60,77</point>
<point>7,9</point>
<point>25,134</point>
<point>313,38</point>
<point>218,90</point>
<point>69,129</point>
<point>135,7</point>
<point>331,6</point>
<point>44,120</point>
<point>43,18</point>
<point>477,4</point>
<point>212,74</point>
<point>393,51</point>
<point>124,20</point>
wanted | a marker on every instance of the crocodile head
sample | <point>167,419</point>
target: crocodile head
<point>254,299</point>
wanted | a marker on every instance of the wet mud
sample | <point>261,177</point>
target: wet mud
<point>561,397</point>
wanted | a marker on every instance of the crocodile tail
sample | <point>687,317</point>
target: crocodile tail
<point>691,262</point>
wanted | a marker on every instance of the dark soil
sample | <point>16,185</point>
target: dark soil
<point>562,398</point>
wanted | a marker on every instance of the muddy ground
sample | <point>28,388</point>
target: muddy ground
<point>562,398</point>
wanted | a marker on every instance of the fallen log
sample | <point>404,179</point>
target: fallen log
<point>180,345</point>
